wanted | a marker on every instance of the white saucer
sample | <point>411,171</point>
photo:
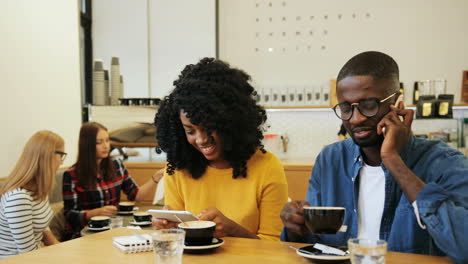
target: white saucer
<point>125,212</point>
<point>133,222</point>
<point>99,228</point>
<point>128,212</point>
<point>320,256</point>
<point>217,242</point>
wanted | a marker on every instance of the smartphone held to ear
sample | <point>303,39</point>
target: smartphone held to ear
<point>399,106</point>
<point>398,100</point>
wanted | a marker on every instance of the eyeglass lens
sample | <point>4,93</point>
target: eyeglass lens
<point>367,107</point>
<point>63,155</point>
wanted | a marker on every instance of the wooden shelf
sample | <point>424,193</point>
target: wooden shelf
<point>457,106</point>
<point>329,108</point>
<point>299,107</point>
<point>125,106</point>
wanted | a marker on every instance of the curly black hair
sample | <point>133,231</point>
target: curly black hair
<point>218,98</point>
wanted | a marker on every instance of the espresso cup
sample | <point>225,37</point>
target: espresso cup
<point>99,221</point>
<point>324,220</point>
<point>142,217</point>
<point>126,206</point>
<point>198,233</point>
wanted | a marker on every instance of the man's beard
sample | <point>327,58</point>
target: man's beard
<point>370,142</point>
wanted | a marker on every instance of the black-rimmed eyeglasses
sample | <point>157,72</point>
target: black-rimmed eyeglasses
<point>368,107</point>
<point>62,154</point>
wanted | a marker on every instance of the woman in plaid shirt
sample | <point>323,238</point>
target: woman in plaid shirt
<point>92,186</point>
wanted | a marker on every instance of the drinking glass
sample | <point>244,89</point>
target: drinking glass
<point>168,245</point>
<point>365,251</point>
<point>116,221</point>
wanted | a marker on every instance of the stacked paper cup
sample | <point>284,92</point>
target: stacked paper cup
<point>106,86</point>
<point>99,90</point>
<point>116,91</point>
<point>121,86</point>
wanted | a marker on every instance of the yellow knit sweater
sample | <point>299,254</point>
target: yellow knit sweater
<point>254,202</point>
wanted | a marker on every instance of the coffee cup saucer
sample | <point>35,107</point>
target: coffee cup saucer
<point>216,242</point>
<point>144,223</point>
<point>128,212</point>
<point>107,227</point>
<point>312,253</point>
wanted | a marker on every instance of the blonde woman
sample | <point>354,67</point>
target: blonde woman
<point>24,207</point>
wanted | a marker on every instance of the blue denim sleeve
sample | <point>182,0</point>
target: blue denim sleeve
<point>445,220</point>
<point>312,196</point>
<point>443,207</point>
<point>283,236</point>
<point>313,193</point>
<point>308,238</point>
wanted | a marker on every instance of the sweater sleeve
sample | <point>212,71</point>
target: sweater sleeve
<point>172,195</point>
<point>19,213</point>
<point>273,197</point>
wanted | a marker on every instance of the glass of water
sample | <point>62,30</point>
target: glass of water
<point>116,221</point>
<point>365,251</point>
<point>168,245</point>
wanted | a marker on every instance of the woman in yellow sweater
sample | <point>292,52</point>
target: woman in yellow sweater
<point>211,129</point>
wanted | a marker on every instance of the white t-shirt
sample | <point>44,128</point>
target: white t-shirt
<point>371,201</point>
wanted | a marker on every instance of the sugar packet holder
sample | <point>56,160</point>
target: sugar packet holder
<point>133,244</point>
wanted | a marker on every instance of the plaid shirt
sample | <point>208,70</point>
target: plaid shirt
<point>78,201</point>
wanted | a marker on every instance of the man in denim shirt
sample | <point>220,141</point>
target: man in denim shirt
<point>411,192</point>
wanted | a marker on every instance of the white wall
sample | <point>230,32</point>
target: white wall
<point>427,38</point>
<point>120,30</point>
<point>154,40</point>
<point>39,74</point>
<point>181,33</point>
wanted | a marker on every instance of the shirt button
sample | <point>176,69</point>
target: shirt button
<point>354,210</point>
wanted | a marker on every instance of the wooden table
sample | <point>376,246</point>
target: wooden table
<point>127,218</point>
<point>98,248</point>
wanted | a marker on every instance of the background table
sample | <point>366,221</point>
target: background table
<point>98,248</point>
<point>127,218</point>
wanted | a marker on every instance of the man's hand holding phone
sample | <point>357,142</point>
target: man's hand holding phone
<point>396,128</point>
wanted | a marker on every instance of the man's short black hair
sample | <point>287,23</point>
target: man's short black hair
<point>373,63</point>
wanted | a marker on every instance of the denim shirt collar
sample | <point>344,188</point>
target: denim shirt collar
<point>359,160</point>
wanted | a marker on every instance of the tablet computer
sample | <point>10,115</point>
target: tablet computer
<point>170,215</point>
